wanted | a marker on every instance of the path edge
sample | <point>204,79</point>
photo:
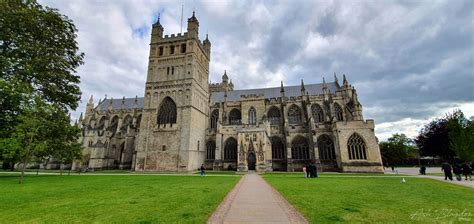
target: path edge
<point>221,211</point>
<point>292,213</point>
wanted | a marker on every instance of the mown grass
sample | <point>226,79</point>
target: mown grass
<point>111,199</point>
<point>346,198</point>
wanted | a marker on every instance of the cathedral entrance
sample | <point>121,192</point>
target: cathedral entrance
<point>251,160</point>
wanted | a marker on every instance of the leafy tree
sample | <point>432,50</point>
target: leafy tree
<point>397,149</point>
<point>38,56</point>
<point>44,131</point>
<point>447,137</point>
<point>28,135</point>
<point>11,99</point>
<point>433,139</point>
<point>67,147</point>
<point>461,135</point>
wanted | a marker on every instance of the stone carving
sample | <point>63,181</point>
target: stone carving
<point>242,153</point>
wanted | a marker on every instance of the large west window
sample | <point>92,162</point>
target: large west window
<point>356,147</point>
<point>167,113</point>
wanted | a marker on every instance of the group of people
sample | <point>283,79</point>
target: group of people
<point>458,170</point>
<point>310,171</point>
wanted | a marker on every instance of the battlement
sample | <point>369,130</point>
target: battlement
<point>221,87</point>
<point>174,37</point>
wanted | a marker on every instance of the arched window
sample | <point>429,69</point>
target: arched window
<point>210,150</point>
<point>299,148</point>
<point>274,116</point>
<point>317,112</point>
<point>294,115</point>
<point>356,147</point>
<point>167,113</point>
<point>278,148</point>
<point>230,150</point>
<point>113,124</point>
<point>214,118</point>
<point>126,123</point>
<point>252,116</point>
<point>338,112</point>
<point>326,148</point>
<point>235,117</point>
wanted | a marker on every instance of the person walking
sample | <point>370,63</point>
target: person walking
<point>457,171</point>
<point>466,171</point>
<point>423,170</point>
<point>202,169</point>
<point>472,168</point>
<point>315,170</point>
<point>304,171</point>
<point>309,171</point>
<point>447,171</point>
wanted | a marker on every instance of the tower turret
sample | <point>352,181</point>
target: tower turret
<point>225,78</point>
<point>193,26</point>
<point>90,106</point>
<point>207,45</point>
<point>156,31</point>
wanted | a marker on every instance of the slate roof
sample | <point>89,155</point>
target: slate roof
<point>117,104</point>
<point>274,92</point>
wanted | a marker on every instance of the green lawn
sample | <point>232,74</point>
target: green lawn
<point>375,199</point>
<point>111,199</point>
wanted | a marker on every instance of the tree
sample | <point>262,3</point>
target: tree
<point>43,131</point>
<point>68,147</point>
<point>397,149</point>
<point>28,135</point>
<point>433,139</point>
<point>38,56</point>
<point>447,137</point>
<point>461,136</point>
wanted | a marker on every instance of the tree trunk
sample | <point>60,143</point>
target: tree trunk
<point>45,165</point>
<point>22,172</point>
<point>37,171</point>
<point>69,172</point>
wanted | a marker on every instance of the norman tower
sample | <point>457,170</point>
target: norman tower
<point>176,101</point>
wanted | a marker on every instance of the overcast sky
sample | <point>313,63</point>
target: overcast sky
<point>410,61</point>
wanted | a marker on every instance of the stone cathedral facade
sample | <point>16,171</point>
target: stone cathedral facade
<point>184,121</point>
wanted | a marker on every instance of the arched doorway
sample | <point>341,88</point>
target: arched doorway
<point>251,160</point>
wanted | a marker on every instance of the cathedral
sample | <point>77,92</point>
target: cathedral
<point>183,120</point>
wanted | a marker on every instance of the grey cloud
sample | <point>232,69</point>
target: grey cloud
<point>409,60</point>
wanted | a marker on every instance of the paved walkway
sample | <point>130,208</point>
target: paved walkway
<point>466,183</point>
<point>253,200</point>
<point>415,172</point>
